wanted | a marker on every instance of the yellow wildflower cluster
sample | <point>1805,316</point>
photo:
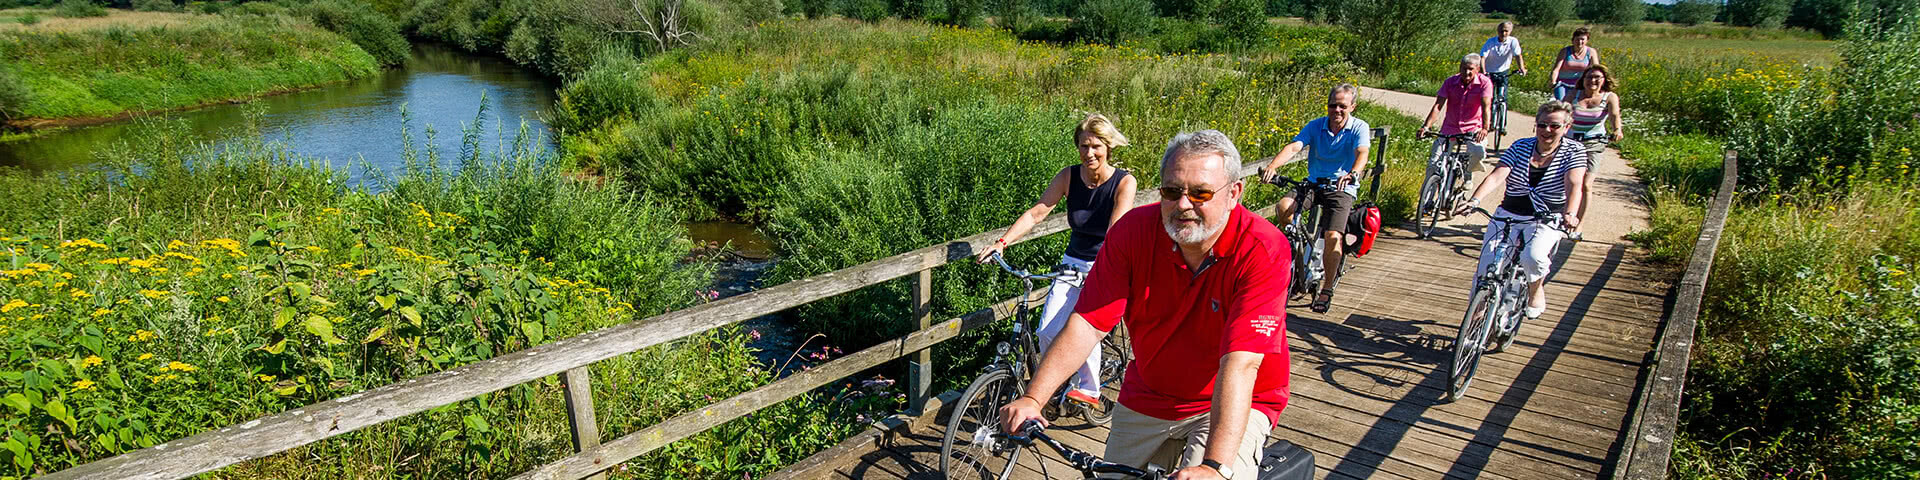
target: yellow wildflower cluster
<point>91,360</point>
<point>179,366</point>
<point>13,305</point>
<point>229,245</point>
<point>141,335</point>
<point>415,256</point>
<point>155,294</point>
<point>83,244</point>
<point>438,221</point>
<point>82,384</point>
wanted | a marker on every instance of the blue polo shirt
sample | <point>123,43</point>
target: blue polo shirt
<point>1330,154</point>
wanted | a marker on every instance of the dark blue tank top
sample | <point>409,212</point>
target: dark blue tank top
<point>1089,212</point>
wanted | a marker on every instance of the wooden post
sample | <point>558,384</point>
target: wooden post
<point>578,387</point>
<point>920,370</point>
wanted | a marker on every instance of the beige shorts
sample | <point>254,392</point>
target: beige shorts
<point>1137,439</point>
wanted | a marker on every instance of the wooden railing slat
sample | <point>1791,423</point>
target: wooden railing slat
<point>581,420</point>
<point>1655,421</point>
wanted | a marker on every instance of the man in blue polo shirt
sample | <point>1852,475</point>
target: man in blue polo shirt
<point>1336,149</point>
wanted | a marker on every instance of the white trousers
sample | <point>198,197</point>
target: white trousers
<point>1542,240</point>
<point>1476,153</point>
<point>1053,317</point>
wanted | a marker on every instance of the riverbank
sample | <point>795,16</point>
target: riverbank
<point>114,71</point>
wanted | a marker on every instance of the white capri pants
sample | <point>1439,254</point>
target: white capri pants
<point>1542,241</point>
<point>1053,317</point>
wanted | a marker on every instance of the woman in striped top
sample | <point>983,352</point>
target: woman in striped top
<point>1572,62</point>
<point>1596,121</point>
<point>1542,176</point>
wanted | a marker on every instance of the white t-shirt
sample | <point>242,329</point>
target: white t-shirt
<point>1500,54</point>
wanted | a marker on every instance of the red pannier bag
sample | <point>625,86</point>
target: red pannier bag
<point>1363,225</point>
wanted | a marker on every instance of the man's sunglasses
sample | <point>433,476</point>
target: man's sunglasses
<point>1197,196</point>
<point>1549,125</point>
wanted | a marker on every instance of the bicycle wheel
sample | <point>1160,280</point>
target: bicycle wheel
<point>1427,212</point>
<point>1115,353</point>
<point>970,448</point>
<point>1514,301</point>
<point>1472,340</point>
<point>1499,122</point>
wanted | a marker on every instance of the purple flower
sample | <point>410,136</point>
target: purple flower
<point>754,334</point>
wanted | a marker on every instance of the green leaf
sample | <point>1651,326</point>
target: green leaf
<point>447,435</point>
<point>277,347</point>
<point>477,423</point>
<point>375,335</point>
<point>321,327</point>
<point>63,414</point>
<point>535,333</point>
<point>385,301</point>
<point>412,315</point>
<point>284,317</point>
<point>18,402</point>
<point>22,456</point>
<point>301,289</point>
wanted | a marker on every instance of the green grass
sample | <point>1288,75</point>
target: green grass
<point>106,72</point>
<point>182,288</point>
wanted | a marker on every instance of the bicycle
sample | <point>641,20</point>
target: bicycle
<point>1307,236</point>
<point>977,415</point>
<point>1088,464</point>
<point>1446,175</point>
<point>1499,293</point>
<point>1499,108</point>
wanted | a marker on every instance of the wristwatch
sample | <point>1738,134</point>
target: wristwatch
<point>1226,473</point>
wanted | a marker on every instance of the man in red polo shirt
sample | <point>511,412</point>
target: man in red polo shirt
<point>1202,284</point>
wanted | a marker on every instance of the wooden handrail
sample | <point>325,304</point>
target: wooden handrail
<point>283,431</point>
<point>1651,428</point>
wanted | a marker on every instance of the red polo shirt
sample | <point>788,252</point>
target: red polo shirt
<point>1182,321</point>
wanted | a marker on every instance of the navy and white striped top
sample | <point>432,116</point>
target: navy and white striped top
<point>1530,192</point>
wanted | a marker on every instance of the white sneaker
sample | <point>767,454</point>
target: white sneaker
<point>1533,312</point>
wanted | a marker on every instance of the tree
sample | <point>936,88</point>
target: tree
<point>1384,28</point>
<point>1695,12</point>
<point>663,22</point>
<point>1758,13</point>
<point>1245,21</point>
<point>912,9</point>
<point>1112,22</point>
<point>1187,9</point>
<point>13,96</point>
<point>965,13</point>
<point>1542,13</point>
<point>1613,12</point>
<point>1012,14</point>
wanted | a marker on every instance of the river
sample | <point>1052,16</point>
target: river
<point>345,122</point>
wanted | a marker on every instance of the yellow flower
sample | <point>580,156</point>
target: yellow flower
<point>144,356</point>
<point>140,335</point>
<point>91,360</point>
<point>364,272</point>
<point>40,266</point>
<point>226,275</point>
<point>264,377</point>
<point>83,384</point>
<point>78,293</point>
<point>82,243</point>
<point>155,294</point>
<point>101,312</point>
<point>184,367</point>
<point>175,245</point>
<point>10,306</point>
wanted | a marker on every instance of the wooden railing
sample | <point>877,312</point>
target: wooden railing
<point>1650,430</point>
<point>570,358</point>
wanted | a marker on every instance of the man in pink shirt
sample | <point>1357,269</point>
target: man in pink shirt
<point>1467,99</point>
<point>1201,283</point>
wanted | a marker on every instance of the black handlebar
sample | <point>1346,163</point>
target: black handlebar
<point>1072,278</point>
<point>1086,463</point>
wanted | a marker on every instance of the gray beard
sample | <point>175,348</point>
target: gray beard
<point>1193,236</point>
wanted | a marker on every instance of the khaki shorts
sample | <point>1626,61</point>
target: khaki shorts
<point>1137,439</point>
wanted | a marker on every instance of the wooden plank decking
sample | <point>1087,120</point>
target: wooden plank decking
<point>1367,375</point>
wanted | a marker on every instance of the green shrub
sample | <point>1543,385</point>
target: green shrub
<point>79,9</point>
<point>1112,22</point>
<point>1200,10</point>
<point>1383,29</point>
<point>1758,13</point>
<point>1542,13</point>
<point>755,12</point>
<point>1694,12</point>
<point>369,29</point>
<point>13,95</point>
<point>816,8</point>
<point>1244,21</point>
<point>28,19</point>
<point>965,13</point>
<point>1620,13</point>
<point>912,9</point>
<point>212,8</point>
<point>1013,15</point>
<point>614,87</point>
<point>865,10</point>
<point>155,6</point>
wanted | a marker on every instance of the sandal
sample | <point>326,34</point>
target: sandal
<point>1323,301</point>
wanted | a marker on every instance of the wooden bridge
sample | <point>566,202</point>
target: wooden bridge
<point>1589,391</point>
<point>1369,374</point>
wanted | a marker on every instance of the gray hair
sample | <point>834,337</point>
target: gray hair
<point>1204,141</point>
<point>1507,24</point>
<point>1554,107</point>
<point>1473,58</point>
<point>1344,87</point>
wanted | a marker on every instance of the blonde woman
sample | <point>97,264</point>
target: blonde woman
<point>1539,176</point>
<point>1596,121</point>
<point>1097,194</point>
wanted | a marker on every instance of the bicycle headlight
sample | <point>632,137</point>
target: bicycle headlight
<point>1003,348</point>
